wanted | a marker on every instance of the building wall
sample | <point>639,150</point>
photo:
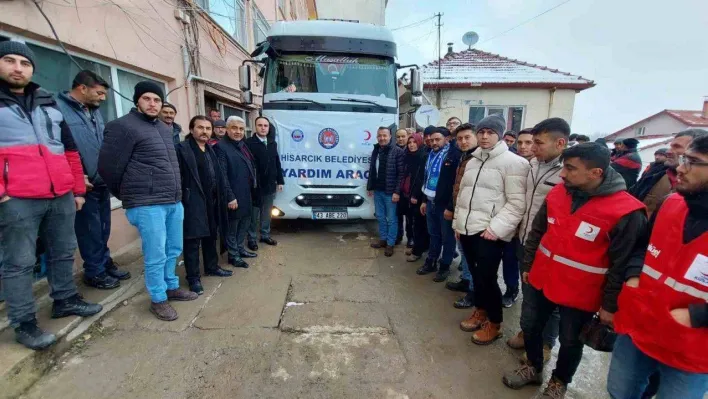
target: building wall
<point>536,102</point>
<point>660,124</point>
<point>366,11</point>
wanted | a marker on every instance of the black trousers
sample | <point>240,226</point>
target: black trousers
<point>483,257</point>
<point>403,211</point>
<point>191,256</point>
<point>537,309</point>
<point>421,239</point>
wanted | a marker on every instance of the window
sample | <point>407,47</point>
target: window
<point>260,26</point>
<point>514,116</point>
<point>127,82</point>
<point>230,15</point>
<point>640,131</point>
<point>227,111</point>
<point>55,72</point>
<point>293,9</point>
<point>281,5</point>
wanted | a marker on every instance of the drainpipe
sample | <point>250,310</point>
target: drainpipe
<point>551,96</point>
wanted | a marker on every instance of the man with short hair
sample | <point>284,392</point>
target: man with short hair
<point>386,172</point>
<point>219,132</point>
<point>270,179</point>
<point>660,155</point>
<point>41,189</point>
<point>510,138</point>
<point>80,108</point>
<point>582,139</point>
<point>629,163</point>
<point>575,259</point>
<point>214,114</point>
<point>524,144</point>
<point>139,164</point>
<point>402,138</point>
<point>453,123</point>
<point>427,132</point>
<point>168,112</point>
<point>663,315</point>
<point>573,139</point>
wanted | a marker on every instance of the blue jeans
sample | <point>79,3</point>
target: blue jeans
<point>385,210</point>
<point>160,228</point>
<point>21,222</point>
<point>93,228</point>
<point>442,237</point>
<point>630,369</point>
<point>466,275</point>
<point>261,214</point>
<point>510,264</point>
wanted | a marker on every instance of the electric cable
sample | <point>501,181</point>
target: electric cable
<point>525,22</point>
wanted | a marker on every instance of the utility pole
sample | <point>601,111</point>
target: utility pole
<point>438,100</point>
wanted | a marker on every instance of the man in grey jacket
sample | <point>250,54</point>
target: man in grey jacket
<point>80,108</point>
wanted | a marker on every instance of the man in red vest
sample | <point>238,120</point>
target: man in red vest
<point>575,258</point>
<point>663,314</point>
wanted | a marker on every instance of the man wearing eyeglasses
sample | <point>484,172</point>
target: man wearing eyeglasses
<point>662,313</point>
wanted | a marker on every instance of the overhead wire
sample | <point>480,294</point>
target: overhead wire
<point>525,22</point>
<point>412,24</point>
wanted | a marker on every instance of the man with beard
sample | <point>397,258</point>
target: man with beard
<point>663,315</point>
<point>167,115</point>
<point>203,201</point>
<point>41,189</point>
<point>80,108</point>
<point>575,259</point>
<point>139,164</point>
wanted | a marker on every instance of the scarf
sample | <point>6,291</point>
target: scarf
<point>649,179</point>
<point>432,170</point>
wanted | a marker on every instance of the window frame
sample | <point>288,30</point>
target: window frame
<point>245,114</point>
<point>505,114</point>
<point>640,131</point>
<point>259,22</point>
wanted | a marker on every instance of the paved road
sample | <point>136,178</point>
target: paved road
<point>320,316</point>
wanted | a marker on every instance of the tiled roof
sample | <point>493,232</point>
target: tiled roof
<point>691,118</point>
<point>478,68</point>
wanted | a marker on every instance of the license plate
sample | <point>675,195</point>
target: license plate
<point>324,215</point>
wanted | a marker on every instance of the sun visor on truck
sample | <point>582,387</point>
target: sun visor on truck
<point>331,44</point>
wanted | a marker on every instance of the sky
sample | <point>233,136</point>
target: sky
<point>644,55</point>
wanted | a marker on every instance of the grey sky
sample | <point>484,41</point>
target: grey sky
<point>644,56</point>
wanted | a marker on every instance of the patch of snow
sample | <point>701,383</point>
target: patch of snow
<point>281,373</point>
<point>289,304</point>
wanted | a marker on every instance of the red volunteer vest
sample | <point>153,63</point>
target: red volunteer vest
<point>571,261</point>
<point>675,275</point>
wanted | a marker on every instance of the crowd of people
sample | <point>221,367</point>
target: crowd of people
<point>590,244</point>
<point>61,164</point>
<point>604,258</point>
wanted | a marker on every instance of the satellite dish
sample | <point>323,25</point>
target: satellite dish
<point>427,115</point>
<point>470,38</point>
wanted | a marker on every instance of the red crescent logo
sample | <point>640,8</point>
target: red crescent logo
<point>590,230</point>
<point>368,135</point>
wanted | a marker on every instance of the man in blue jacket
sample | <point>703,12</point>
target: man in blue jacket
<point>80,108</point>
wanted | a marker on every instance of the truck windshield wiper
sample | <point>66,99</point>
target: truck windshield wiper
<point>306,100</point>
<point>356,100</point>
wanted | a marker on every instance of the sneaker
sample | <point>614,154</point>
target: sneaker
<point>74,306</point>
<point>465,302</point>
<point>546,355</point>
<point>412,258</point>
<point>163,311</point>
<point>522,376</point>
<point>388,251</point>
<point>427,268</point>
<point>488,333</point>
<point>474,322</point>
<point>196,287</point>
<point>555,389</point>
<point>379,244</point>
<point>460,286</point>
<point>33,337</point>
<point>517,341</point>
<point>509,297</point>
<point>103,281</point>
<point>181,295</point>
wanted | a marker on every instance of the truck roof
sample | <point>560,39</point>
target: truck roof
<point>341,29</point>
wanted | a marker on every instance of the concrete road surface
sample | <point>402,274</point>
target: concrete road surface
<point>319,316</point>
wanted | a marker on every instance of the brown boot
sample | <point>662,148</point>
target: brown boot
<point>488,333</point>
<point>181,295</point>
<point>378,244</point>
<point>163,311</point>
<point>517,341</point>
<point>554,390</point>
<point>388,251</point>
<point>475,321</point>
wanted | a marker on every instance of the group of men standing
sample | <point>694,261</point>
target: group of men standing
<point>589,253</point>
<point>61,163</point>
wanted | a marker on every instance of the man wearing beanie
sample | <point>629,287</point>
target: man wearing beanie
<point>167,115</point>
<point>219,131</point>
<point>139,164</point>
<point>490,204</point>
<point>629,163</point>
<point>41,190</point>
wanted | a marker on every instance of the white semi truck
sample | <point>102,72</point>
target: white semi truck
<point>328,87</point>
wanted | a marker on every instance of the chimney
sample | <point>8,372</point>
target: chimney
<point>449,49</point>
<point>705,108</point>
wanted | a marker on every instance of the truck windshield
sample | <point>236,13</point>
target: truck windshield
<point>336,74</point>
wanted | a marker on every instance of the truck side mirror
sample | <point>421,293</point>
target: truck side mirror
<point>244,77</point>
<point>416,83</point>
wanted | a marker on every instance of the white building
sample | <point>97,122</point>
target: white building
<point>364,11</point>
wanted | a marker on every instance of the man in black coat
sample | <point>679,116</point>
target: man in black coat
<point>203,201</point>
<point>139,165</point>
<point>270,179</point>
<point>629,163</point>
<point>236,162</point>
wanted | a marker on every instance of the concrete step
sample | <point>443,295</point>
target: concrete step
<point>21,367</point>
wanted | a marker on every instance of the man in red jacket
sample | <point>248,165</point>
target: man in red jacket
<point>663,314</point>
<point>41,189</point>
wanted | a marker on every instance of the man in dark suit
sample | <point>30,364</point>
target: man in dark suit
<point>270,179</point>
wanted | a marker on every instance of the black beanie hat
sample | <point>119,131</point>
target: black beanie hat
<point>442,130</point>
<point>18,48</point>
<point>147,86</point>
<point>631,143</point>
<point>429,130</point>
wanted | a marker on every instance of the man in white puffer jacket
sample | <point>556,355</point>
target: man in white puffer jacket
<point>490,205</point>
